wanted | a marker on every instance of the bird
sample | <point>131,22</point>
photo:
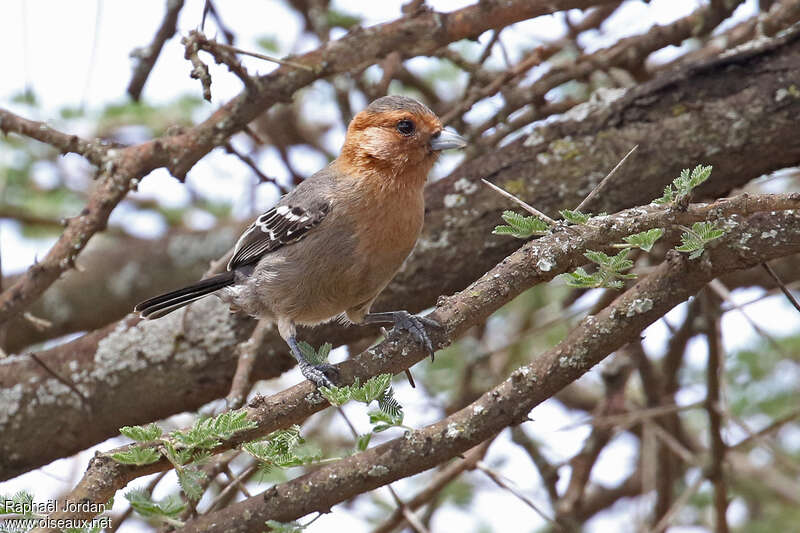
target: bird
<point>329,247</point>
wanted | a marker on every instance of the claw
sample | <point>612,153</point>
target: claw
<point>415,326</point>
<point>319,374</point>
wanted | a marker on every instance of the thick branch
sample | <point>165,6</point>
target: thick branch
<point>116,272</point>
<point>672,283</point>
<point>716,113</point>
<point>509,403</point>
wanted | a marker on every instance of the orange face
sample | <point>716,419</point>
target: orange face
<point>395,135</point>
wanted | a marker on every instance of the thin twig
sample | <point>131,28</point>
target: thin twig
<point>235,481</point>
<point>722,291</point>
<point>248,351</point>
<point>62,380</point>
<point>715,369</point>
<point>679,503</point>
<point>408,513</point>
<point>525,206</point>
<point>605,180</point>
<point>784,289</point>
<point>508,485</point>
<point>266,57</point>
<point>247,160</point>
<point>148,55</point>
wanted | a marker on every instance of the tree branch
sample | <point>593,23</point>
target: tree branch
<point>509,403</point>
<point>557,165</point>
<point>146,57</point>
<point>671,283</point>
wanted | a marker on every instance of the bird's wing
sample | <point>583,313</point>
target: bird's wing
<point>281,225</point>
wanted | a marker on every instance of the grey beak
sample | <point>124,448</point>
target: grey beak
<point>447,139</point>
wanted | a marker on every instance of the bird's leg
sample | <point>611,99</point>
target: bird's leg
<point>405,321</point>
<point>316,374</point>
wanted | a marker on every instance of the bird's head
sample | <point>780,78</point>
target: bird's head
<point>397,137</point>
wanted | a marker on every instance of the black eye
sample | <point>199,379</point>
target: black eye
<point>406,127</point>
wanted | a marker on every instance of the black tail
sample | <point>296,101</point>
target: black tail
<point>166,303</point>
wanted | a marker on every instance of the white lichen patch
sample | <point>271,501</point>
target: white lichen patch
<point>378,471</point>
<point>454,200</point>
<point>53,392</point>
<point>600,98</point>
<point>771,234</point>
<point>453,430</point>
<point>441,241</point>
<point>9,402</point>
<point>465,186</point>
<point>478,409</point>
<point>639,306</point>
<point>534,139</point>
<point>546,263</point>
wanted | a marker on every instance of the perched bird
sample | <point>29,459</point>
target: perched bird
<point>330,246</point>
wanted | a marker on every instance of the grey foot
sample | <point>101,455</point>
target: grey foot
<point>320,375</point>
<point>405,321</point>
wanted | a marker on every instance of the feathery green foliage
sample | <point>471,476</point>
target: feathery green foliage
<point>141,433</point>
<point>280,527</point>
<point>682,186</point>
<point>575,217</point>
<point>315,357</point>
<point>644,240</point>
<point>282,448</point>
<point>191,481</point>
<point>167,510</point>
<point>371,390</point>
<point>609,274</point>
<point>137,455</point>
<point>694,239</point>
<point>521,227</point>
<point>210,432</point>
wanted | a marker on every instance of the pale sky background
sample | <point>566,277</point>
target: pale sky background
<point>76,53</point>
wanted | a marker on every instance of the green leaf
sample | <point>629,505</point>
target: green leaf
<point>280,448</point>
<point>389,405</point>
<point>363,441</point>
<point>280,527</point>
<point>583,280</point>
<point>575,217</point>
<point>335,18</point>
<point>20,503</point>
<point>683,185</point>
<point>520,226</point>
<point>694,239</point>
<point>337,395</point>
<point>374,388</point>
<point>142,503</point>
<point>268,43</point>
<point>191,481</point>
<point>644,240</point>
<point>313,356</point>
<point>141,433</point>
<point>177,455</point>
<point>609,273</point>
<point>25,97</point>
<point>209,432</point>
<point>137,455</point>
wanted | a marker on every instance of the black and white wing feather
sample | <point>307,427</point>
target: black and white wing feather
<point>280,225</point>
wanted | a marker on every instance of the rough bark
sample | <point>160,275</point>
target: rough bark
<point>774,234</point>
<point>707,113</point>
